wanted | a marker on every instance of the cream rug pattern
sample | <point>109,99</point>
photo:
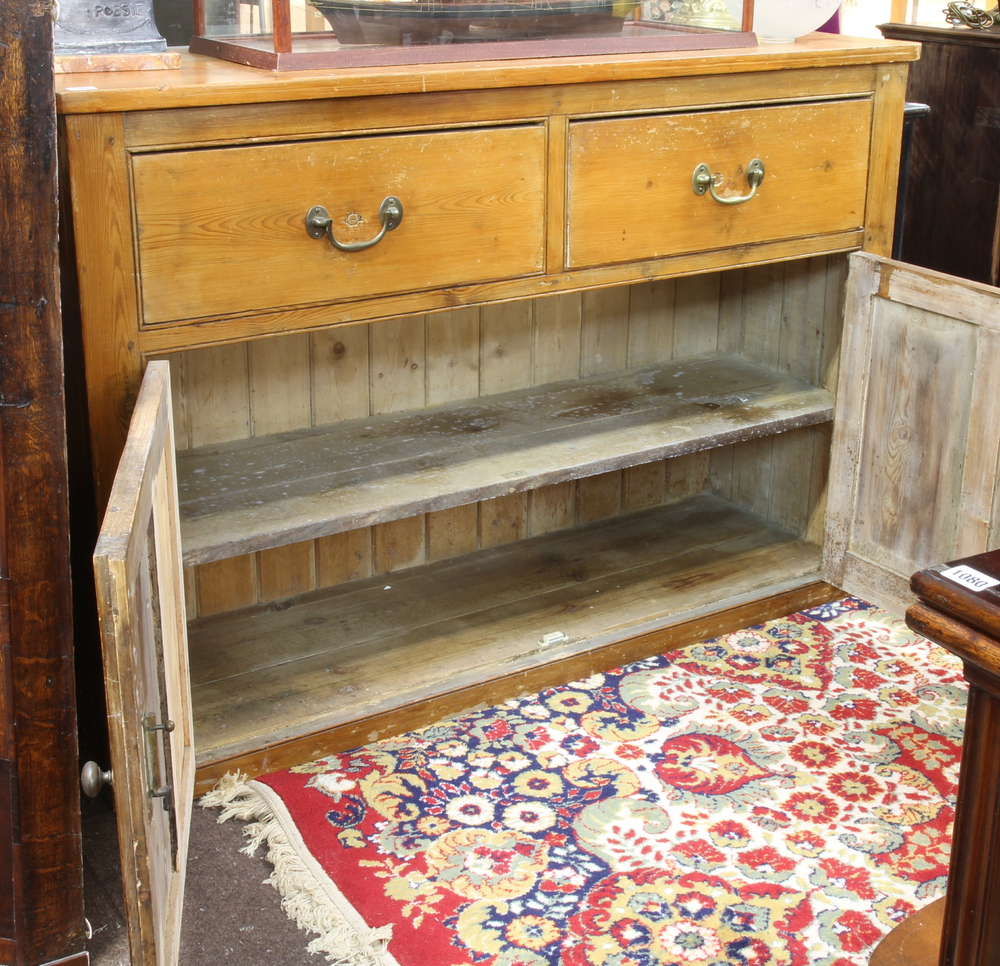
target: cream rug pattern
<point>780,796</point>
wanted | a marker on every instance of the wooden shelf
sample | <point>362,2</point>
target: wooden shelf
<point>269,491</point>
<point>273,674</point>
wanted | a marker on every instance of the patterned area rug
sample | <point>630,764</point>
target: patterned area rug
<point>781,796</point>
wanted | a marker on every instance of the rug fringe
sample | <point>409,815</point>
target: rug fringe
<point>302,898</point>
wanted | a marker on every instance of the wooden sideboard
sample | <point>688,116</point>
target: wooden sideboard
<point>567,401</point>
<point>571,409</point>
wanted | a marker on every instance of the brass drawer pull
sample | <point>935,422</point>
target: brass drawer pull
<point>319,223</point>
<point>703,180</point>
<point>153,787</point>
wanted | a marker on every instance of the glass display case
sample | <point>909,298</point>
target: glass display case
<point>307,34</point>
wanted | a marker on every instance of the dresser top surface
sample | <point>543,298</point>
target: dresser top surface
<point>203,81</point>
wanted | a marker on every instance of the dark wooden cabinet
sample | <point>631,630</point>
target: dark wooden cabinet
<point>41,865</point>
<point>951,219</point>
<point>958,607</point>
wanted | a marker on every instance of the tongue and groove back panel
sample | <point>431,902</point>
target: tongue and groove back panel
<point>784,317</point>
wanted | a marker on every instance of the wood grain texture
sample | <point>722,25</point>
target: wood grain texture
<point>343,556</point>
<point>452,532</point>
<point>503,520</point>
<point>598,497</point>
<point>979,651</point>
<point>664,318</point>
<point>505,347</point>
<point>205,81</point>
<point>880,210</point>
<point>422,713</point>
<point>287,571</point>
<point>262,492</point>
<point>298,118</point>
<point>557,338</point>
<point>234,229</point>
<point>214,389</point>
<point>137,566</point>
<point>339,374</point>
<point>816,160</point>
<point>398,545</point>
<point>453,347</point>
<point>978,608</point>
<point>106,277</point>
<point>604,335</point>
<point>446,626</point>
<point>170,338</point>
<point>279,397</point>
<point>41,882</point>
<point>911,436</point>
<point>504,239</point>
<point>651,322</point>
<point>552,507</point>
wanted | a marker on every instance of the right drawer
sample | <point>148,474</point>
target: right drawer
<point>630,180</point>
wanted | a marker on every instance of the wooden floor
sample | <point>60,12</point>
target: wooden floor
<point>364,649</point>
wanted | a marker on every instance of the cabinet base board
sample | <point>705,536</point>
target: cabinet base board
<point>425,712</point>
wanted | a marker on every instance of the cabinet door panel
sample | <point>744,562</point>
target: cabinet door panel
<point>223,231</point>
<point>630,179</point>
<point>140,590</point>
<point>917,428</point>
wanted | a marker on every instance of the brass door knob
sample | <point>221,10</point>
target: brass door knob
<point>92,779</point>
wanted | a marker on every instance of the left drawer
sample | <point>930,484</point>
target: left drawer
<point>222,231</point>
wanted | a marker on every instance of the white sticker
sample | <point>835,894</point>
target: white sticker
<point>970,578</point>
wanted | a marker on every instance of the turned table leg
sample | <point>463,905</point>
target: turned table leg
<point>971,932</point>
<point>964,928</point>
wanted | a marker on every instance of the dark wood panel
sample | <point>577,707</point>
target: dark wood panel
<point>9,822</point>
<point>979,608</point>
<point>39,824</point>
<point>953,192</point>
<point>971,928</point>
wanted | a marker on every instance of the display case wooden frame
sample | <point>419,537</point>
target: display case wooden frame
<point>284,49</point>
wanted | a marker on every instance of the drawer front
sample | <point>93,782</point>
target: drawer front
<point>223,231</point>
<point>630,179</point>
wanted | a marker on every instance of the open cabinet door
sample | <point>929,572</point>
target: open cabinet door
<point>914,462</point>
<point>140,590</point>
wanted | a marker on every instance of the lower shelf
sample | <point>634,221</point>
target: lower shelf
<point>273,674</point>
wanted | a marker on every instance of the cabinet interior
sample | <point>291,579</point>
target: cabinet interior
<point>524,500</point>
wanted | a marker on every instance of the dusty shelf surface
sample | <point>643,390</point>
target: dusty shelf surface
<point>269,491</point>
<point>274,673</point>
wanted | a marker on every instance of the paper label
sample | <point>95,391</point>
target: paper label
<point>970,578</point>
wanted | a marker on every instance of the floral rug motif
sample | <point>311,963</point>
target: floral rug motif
<point>780,796</point>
